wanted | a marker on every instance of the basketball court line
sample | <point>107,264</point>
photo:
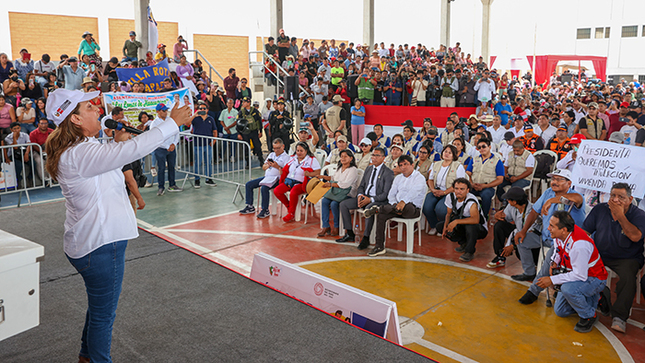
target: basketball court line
<point>444,351</point>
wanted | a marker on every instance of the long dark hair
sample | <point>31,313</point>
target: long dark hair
<point>350,154</point>
<point>305,146</point>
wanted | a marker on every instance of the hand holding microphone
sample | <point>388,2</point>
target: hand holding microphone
<point>114,125</point>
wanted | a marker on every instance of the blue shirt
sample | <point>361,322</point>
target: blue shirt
<point>578,214</point>
<point>203,127</point>
<point>73,80</point>
<point>392,95</point>
<point>610,240</point>
<point>499,107</point>
<point>358,120</point>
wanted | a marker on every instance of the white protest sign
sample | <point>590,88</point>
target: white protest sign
<point>367,311</point>
<point>601,164</point>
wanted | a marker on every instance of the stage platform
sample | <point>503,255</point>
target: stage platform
<point>449,311</point>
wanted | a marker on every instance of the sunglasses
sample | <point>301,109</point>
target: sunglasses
<point>202,109</point>
<point>481,147</point>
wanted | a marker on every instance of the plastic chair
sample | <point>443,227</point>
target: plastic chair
<point>273,202</point>
<point>409,223</point>
<point>320,155</point>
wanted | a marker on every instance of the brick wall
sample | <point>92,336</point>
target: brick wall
<point>224,52</point>
<point>51,34</point>
<point>120,29</point>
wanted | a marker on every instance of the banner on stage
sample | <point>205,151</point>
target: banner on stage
<point>367,311</point>
<point>134,103</point>
<point>601,164</point>
<point>151,76</point>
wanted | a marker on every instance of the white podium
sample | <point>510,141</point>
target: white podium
<point>19,284</point>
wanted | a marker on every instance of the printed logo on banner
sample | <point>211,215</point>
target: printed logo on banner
<point>274,271</point>
<point>318,289</point>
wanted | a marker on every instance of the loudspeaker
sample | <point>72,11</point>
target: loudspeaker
<point>352,89</point>
<point>291,91</point>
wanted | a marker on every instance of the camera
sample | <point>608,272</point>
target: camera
<point>557,271</point>
<point>304,125</point>
<point>288,123</point>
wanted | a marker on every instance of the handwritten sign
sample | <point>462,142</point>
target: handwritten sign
<point>152,76</point>
<point>601,164</point>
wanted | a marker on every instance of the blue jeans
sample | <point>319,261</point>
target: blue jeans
<point>264,192</point>
<point>129,59</point>
<point>203,155</point>
<point>522,183</point>
<point>326,206</point>
<point>434,209</point>
<point>579,297</point>
<point>27,128</point>
<point>229,147</point>
<point>162,156</point>
<point>544,271</point>
<point>487,198</point>
<point>102,272</point>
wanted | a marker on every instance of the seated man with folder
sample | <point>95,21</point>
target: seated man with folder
<point>272,169</point>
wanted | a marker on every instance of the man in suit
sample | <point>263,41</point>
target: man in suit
<point>373,190</point>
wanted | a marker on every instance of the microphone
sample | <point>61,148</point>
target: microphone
<point>111,124</point>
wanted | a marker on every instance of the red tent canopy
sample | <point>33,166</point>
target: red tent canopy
<point>545,65</point>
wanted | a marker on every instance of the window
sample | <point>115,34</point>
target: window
<point>607,32</point>
<point>600,33</point>
<point>584,33</point>
<point>641,79</point>
<point>630,31</point>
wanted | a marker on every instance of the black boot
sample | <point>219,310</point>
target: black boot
<point>348,237</point>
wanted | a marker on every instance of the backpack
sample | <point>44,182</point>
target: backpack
<point>543,163</point>
<point>459,213</point>
<point>137,173</point>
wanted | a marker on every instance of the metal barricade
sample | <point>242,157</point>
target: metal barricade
<point>221,159</point>
<point>18,175</point>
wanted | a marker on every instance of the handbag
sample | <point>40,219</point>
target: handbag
<point>337,194</point>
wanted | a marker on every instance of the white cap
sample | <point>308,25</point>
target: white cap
<point>366,141</point>
<point>564,173</point>
<point>62,102</point>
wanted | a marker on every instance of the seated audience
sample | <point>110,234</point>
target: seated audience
<point>486,172</point>
<point>343,186</point>
<point>383,140</point>
<point>560,144</point>
<point>393,157</point>
<point>364,158</point>
<point>302,166</point>
<point>531,141</point>
<point>518,168</point>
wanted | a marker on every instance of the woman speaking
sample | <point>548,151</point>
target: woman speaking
<point>99,219</point>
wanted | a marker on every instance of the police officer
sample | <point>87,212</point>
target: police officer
<point>253,129</point>
<point>277,124</point>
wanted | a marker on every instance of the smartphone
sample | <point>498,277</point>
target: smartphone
<point>93,67</point>
<point>31,82</point>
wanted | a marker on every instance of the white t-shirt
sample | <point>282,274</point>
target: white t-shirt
<point>630,134</point>
<point>448,203</point>
<point>497,135</point>
<point>440,183</point>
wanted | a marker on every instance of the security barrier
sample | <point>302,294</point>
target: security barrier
<point>220,159</point>
<point>20,176</point>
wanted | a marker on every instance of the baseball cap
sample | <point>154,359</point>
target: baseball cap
<point>132,32</point>
<point>342,138</point>
<point>366,141</point>
<point>306,116</point>
<point>62,102</point>
<point>337,98</point>
<point>592,104</point>
<point>72,59</point>
<point>504,97</point>
<point>407,123</point>
<point>281,101</point>
<point>563,128</point>
<point>161,107</point>
<point>617,137</point>
<point>302,94</point>
<point>509,135</point>
<point>564,173</point>
<point>515,193</point>
<point>246,99</point>
<point>577,138</point>
<point>528,127</point>
<point>397,146</point>
<point>624,104</point>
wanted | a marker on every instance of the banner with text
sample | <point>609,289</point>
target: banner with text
<point>134,103</point>
<point>152,76</point>
<point>601,164</point>
<point>366,311</point>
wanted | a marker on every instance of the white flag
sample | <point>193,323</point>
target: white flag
<point>153,34</point>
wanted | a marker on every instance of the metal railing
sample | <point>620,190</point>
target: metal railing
<point>279,69</point>
<point>211,69</point>
<point>221,159</point>
<point>18,175</point>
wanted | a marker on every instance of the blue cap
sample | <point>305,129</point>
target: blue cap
<point>306,116</point>
<point>161,107</point>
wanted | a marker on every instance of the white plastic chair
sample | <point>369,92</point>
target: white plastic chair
<point>273,202</point>
<point>409,223</point>
<point>320,155</point>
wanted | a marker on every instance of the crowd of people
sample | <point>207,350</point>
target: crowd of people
<point>453,176</point>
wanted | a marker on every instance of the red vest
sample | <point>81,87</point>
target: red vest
<point>596,267</point>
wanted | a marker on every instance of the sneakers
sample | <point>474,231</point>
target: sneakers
<point>432,232</point>
<point>604,304</point>
<point>153,172</point>
<point>528,298</point>
<point>148,184</point>
<point>175,189</point>
<point>371,211</point>
<point>466,257</point>
<point>197,184</point>
<point>249,209</point>
<point>586,325</point>
<point>617,324</point>
<point>460,248</point>
<point>376,251</point>
<point>161,192</point>
<point>211,183</point>
<point>523,277</point>
<point>497,262</point>
<point>264,214</point>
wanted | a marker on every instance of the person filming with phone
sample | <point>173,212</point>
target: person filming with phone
<point>100,219</point>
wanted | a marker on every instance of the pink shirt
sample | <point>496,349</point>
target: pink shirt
<point>178,50</point>
<point>5,115</point>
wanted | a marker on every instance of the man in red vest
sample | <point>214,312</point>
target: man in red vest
<point>577,268</point>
